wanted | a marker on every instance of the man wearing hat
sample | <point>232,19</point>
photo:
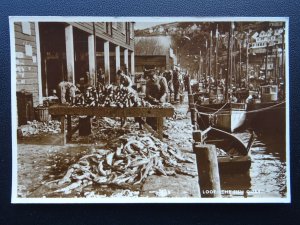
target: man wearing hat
<point>122,79</point>
<point>156,92</point>
<point>156,88</point>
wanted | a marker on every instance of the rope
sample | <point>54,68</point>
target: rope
<point>220,109</point>
<point>266,108</point>
<point>253,111</point>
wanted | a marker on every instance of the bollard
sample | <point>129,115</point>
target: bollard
<point>208,171</point>
<point>191,100</point>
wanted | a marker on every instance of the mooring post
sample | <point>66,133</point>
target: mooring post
<point>191,101</point>
<point>194,118</point>
<point>208,170</point>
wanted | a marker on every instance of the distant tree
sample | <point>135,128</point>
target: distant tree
<point>149,46</point>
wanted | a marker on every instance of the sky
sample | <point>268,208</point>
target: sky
<point>144,25</point>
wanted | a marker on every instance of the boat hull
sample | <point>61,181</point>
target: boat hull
<point>268,117</point>
<point>237,159</point>
<point>229,118</point>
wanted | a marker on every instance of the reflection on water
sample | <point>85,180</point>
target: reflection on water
<point>267,175</point>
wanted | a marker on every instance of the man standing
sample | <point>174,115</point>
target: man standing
<point>176,84</point>
<point>156,88</point>
<point>156,93</point>
<point>125,81</point>
<point>122,79</point>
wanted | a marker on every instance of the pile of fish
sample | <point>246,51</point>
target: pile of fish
<point>129,161</point>
<point>34,127</point>
<point>110,96</point>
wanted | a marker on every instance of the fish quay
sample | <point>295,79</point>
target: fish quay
<point>47,166</point>
<point>190,110</point>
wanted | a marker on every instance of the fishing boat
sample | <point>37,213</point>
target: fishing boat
<point>233,155</point>
<point>267,113</point>
<point>228,116</point>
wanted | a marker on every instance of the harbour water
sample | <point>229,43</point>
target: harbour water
<point>267,175</point>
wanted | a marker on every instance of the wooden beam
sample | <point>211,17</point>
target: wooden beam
<point>111,111</point>
<point>70,53</point>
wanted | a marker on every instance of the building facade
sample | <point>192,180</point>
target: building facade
<point>50,52</point>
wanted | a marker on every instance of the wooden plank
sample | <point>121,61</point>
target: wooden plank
<point>28,81</point>
<point>25,62</point>
<point>23,42</point>
<point>18,28</point>
<point>19,35</point>
<point>21,48</point>
<point>25,69</point>
<point>117,38</point>
<point>26,75</point>
<point>111,112</point>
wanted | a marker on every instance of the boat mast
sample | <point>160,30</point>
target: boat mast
<point>205,63</point>
<point>275,66</point>
<point>216,55</point>
<point>247,60</point>
<point>228,63</point>
<point>200,66</point>
<point>240,67</point>
<point>209,63</point>
<point>230,56</point>
<point>282,57</point>
<point>216,62</point>
<point>266,64</point>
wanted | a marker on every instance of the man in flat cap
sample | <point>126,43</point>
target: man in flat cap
<point>156,88</point>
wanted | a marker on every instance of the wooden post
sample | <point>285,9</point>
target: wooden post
<point>160,124</point>
<point>189,85</point>
<point>118,63</point>
<point>69,128</point>
<point>191,101</point>
<point>39,62</point>
<point>62,127</point>
<point>92,60</point>
<point>194,118</point>
<point>70,53</point>
<point>106,62</point>
<point>208,170</point>
<point>126,58</point>
<point>132,64</point>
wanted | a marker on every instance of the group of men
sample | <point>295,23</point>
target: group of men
<point>160,87</point>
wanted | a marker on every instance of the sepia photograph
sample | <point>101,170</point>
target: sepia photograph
<point>150,109</point>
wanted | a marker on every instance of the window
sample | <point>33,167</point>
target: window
<point>114,25</point>
<point>123,26</point>
<point>26,28</point>
<point>108,28</point>
<point>131,30</point>
<point>127,34</point>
